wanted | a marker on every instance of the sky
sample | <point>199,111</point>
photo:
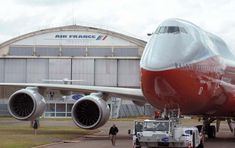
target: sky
<point>130,17</point>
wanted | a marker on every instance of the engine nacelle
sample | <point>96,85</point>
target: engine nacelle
<point>90,112</point>
<point>26,104</point>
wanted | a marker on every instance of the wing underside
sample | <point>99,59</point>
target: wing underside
<point>134,94</point>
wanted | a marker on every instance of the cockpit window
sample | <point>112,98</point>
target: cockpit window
<point>173,29</point>
<point>162,29</point>
<point>170,29</point>
<point>183,30</point>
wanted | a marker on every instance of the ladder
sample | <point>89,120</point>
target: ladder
<point>115,107</point>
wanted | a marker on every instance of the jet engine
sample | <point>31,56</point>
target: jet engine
<point>90,112</point>
<point>26,104</point>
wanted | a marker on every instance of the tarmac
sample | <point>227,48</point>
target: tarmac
<point>224,139</point>
<point>100,139</point>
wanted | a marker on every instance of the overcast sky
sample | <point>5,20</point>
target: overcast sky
<point>136,17</point>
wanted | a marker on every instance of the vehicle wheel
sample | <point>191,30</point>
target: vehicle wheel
<point>200,145</point>
<point>137,143</point>
<point>211,131</point>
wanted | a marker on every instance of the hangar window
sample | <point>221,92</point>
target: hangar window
<point>67,51</point>
<point>126,52</point>
<point>47,51</point>
<point>21,51</point>
<point>100,52</point>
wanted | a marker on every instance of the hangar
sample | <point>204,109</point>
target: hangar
<point>92,55</point>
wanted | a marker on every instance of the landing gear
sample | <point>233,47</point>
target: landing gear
<point>211,131</point>
<point>201,145</point>
<point>137,144</point>
<point>207,129</point>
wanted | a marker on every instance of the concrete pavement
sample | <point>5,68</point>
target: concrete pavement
<point>101,139</point>
<point>224,138</point>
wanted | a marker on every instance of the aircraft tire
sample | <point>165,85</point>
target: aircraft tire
<point>201,145</point>
<point>211,131</point>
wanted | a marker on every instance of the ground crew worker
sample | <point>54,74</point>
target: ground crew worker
<point>157,114</point>
<point>35,126</point>
<point>138,127</point>
<point>113,132</point>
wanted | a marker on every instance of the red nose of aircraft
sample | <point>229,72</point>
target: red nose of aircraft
<point>173,67</point>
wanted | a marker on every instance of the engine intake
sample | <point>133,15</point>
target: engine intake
<point>26,104</point>
<point>90,112</point>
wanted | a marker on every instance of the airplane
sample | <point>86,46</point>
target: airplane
<point>182,66</point>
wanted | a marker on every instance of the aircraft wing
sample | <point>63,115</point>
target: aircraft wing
<point>125,93</point>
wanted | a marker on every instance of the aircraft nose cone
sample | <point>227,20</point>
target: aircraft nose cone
<point>163,88</point>
<point>165,51</point>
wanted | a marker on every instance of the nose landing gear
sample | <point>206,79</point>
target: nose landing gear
<point>207,128</point>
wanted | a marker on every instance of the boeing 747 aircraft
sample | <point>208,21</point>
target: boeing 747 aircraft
<point>182,67</point>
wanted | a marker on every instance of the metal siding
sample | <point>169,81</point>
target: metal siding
<point>15,70</point>
<point>37,70</point>
<point>149,110</point>
<point>99,52</point>
<point>124,111</point>
<point>4,110</point>
<point>106,72</point>
<point>1,93</point>
<point>126,52</point>
<point>21,51</point>
<point>8,91</point>
<point>1,70</point>
<point>121,111</point>
<point>74,52</point>
<point>128,73</point>
<point>45,51</point>
<point>59,69</point>
<point>83,69</point>
<point>140,109</point>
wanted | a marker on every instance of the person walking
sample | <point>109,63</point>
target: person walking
<point>35,126</point>
<point>113,132</point>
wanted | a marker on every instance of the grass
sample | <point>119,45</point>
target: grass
<point>23,136</point>
<point>17,134</point>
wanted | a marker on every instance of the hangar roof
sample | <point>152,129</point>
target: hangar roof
<point>133,40</point>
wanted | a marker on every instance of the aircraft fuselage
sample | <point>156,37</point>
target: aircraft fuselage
<point>192,70</point>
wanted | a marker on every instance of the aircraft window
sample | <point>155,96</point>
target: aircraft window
<point>157,30</point>
<point>162,30</point>
<point>173,29</point>
<point>183,30</point>
<point>170,29</point>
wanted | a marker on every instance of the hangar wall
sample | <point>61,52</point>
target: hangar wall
<point>118,72</point>
<point>96,56</point>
